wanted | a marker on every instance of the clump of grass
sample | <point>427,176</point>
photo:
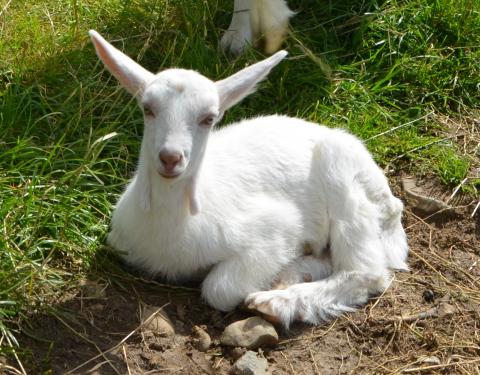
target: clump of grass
<point>69,135</point>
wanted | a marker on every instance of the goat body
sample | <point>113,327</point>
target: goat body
<point>239,204</point>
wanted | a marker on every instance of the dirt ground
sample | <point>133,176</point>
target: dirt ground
<point>426,322</point>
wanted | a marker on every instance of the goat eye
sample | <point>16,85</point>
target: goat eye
<point>148,112</point>
<point>207,121</point>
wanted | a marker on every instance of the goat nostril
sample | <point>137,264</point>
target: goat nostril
<point>170,159</point>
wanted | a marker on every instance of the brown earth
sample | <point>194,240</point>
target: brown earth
<point>426,322</point>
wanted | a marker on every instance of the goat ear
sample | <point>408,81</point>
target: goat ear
<point>130,74</point>
<point>236,87</point>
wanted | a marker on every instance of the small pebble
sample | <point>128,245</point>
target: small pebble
<point>202,340</point>
<point>445,309</point>
<point>237,352</point>
<point>428,295</point>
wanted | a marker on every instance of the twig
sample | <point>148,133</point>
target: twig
<point>99,365</point>
<point>309,337</point>
<point>455,191</point>
<point>5,7</point>
<point>198,365</point>
<point>126,359</point>
<point>324,67</point>
<point>378,365</point>
<point>360,357</point>
<point>379,298</point>
<point>399,127</point>
<point>462,289</point>
<point>434,367</point>
<point>430,313</point>
<point>473,265</point>
<point>432,228</point>
<point>120,343</point>
<point>22,370</point>
<point>420,220</point>
<point>173,288</point>
<point>392,337</point>
<point>475,209</point>
<point>422,147</point>
<point>317,371</point>
<point>11,368</point>
<point>102,354</point>
<point>454,267</point>
<point>288,361</point>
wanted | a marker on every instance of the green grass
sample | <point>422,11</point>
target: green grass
<point>69,136</point>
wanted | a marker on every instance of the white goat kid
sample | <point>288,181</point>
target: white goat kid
<point>239,204</point>
<point>255,21</point>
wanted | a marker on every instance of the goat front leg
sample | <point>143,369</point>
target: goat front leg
<point>239,33</point>
<point>263,242</point>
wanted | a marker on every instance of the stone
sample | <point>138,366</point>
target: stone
<point>445,309</point>
<point>420,200</point>
<point>250,333</point>
<point>201,340</point>
<point>250,364</point>
<point>160,324</point>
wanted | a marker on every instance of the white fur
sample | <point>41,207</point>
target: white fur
<point>255,20</point>
<point>263,188</point>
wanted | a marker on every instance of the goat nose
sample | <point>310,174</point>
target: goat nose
<point>170,159</point>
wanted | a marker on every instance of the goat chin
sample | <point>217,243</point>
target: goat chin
<point>255,194</point>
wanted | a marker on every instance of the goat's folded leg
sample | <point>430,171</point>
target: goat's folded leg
<point>359,266</point>
<point>263,243</point>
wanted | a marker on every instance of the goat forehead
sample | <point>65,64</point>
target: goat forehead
<point>175,84</point>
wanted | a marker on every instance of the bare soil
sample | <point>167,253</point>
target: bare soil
<point>97,329</point>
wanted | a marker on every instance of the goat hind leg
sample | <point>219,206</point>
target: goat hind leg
<point>359,270</point>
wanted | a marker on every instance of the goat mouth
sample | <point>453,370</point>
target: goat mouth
<point>170,175</point>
